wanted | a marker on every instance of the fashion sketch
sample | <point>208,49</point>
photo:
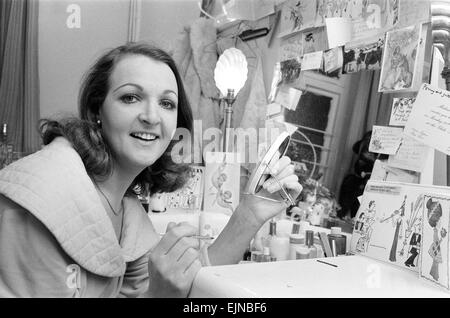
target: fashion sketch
<point>434,214</point>
<point>413,231</point>
<point>414,244</point>
<point>397,218</point>
<point>364,226</point>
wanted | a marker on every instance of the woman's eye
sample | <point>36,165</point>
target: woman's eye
<point>129,99</point>
<point>168,104</point>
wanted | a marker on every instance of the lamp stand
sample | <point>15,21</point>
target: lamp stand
<point>228,119</point>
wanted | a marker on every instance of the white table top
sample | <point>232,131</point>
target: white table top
<point>355,276</point>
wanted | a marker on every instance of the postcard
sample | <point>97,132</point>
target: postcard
<point>388,225</point>
<point>291,47</point>
<point>411,155</point>
<point>400,111</point>
<point>314,40</point>
<point>429,121</point>
<point>364,55</point>
<point>373,18</point>
<point>382,171</point>
<point>333,59</point>
<point>288,97</point>
<point>222,182</point>
<point>296,16</point>
<point>190,196</point>
<point>399,59</point>
<point>312,61</point>
<point>385,139</point>
<point>413,12</point>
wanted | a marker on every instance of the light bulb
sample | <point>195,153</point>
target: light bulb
<point>231,71</point>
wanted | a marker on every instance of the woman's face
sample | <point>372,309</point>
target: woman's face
<point>139,114</point>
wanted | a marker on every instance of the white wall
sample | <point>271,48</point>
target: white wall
<point>66,53</point>
<point>163,20</point>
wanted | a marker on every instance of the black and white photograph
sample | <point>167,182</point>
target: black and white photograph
<point>220,153</point>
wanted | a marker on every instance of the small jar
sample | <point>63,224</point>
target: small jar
<point>295,241</point>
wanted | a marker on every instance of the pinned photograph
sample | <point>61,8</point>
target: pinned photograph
<point>367,56</point>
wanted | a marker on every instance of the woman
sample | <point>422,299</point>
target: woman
<point>397,222</point>
<point>70,222</point>
<point>434,214</point>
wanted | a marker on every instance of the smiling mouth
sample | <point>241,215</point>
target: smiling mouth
<point>144,136</point>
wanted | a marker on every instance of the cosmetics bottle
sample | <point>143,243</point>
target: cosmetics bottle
<point>318,246</point>
<point>296,241</point>
<point>266,254</point>
<point>279,245</point>
<point>256,256</point>
<point>309,242</point>
<point>338,240</point>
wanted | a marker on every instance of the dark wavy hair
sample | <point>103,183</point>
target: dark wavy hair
<point>87,137</point>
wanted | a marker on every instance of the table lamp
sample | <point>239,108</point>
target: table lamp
<point>230,75</point>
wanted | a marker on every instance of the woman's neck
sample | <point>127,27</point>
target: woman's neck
<point>116,185</point>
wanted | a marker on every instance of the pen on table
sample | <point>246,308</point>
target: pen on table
<point>318,260</point>
<point>200,237</point>
<point>281,187</point>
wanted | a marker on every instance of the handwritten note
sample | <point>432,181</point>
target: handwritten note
<point>401,109</point>
<point>411,155</point>
<point>429,121</point>
<point>312,61</point>
<point>385,140</point>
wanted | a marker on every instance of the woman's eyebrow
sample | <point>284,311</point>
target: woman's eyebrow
<point>168,91</point>
<point>132,84</point>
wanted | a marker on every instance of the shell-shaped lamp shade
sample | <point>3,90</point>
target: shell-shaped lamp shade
<point>231,71</point>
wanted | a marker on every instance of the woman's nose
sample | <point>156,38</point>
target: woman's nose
<point>150,114</point>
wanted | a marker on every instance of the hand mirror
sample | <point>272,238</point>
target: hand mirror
<point>262,171</point>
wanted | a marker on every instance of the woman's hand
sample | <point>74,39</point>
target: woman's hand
<point>174,262</point>
<point>264,209</point>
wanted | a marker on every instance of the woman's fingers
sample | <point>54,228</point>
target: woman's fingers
<point>277,165</point>
<point>294,188</point>
<point>173,235</point>
<point>286,175</point>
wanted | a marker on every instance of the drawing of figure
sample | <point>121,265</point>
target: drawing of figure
<point>398,75</point>
<point>223,198</point>
<point>296,15</point>
<point>397,220</point>
<point>414,243</point>
<point>434,215</point>
<point>309,45</point>
<point>365,223</point>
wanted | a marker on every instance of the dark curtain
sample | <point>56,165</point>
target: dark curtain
<point>19,78</point>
